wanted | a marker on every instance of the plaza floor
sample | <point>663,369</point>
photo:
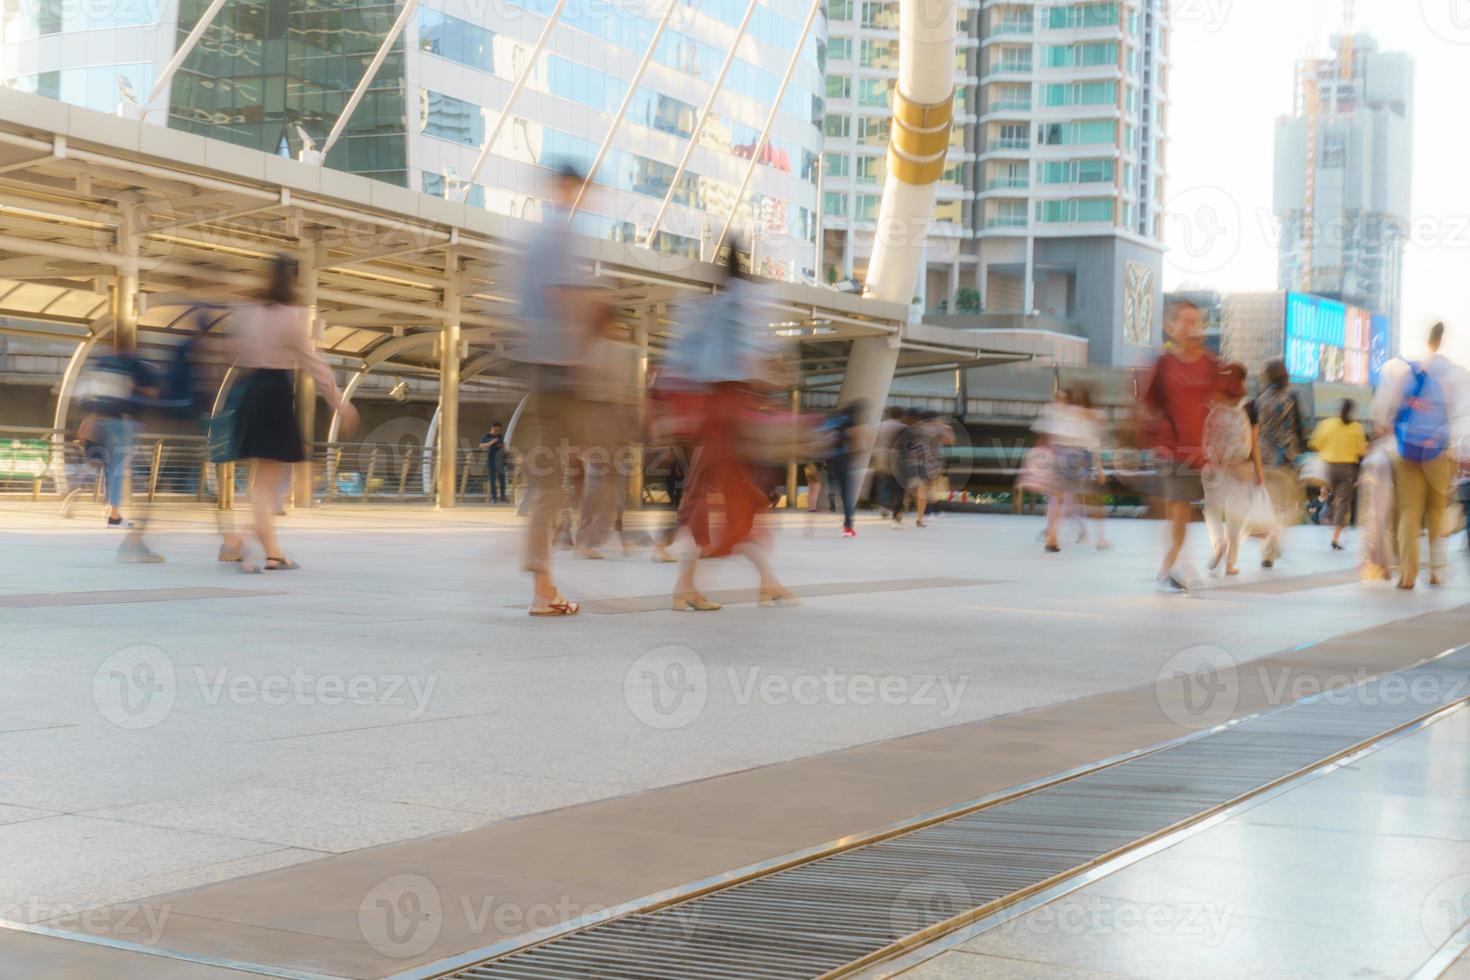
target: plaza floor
<point>178,725</point>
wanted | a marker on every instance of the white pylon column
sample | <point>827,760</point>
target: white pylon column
<point>923,110</point>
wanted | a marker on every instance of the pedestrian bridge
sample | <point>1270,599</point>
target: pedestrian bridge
<point>112,229</point>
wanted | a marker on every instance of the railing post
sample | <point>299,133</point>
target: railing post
<point>464,476</point>
<point>153,470</point>
<point>403,474</point>
<point>372,469</point>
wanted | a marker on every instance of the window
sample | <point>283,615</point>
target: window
<point>836,164</point>
<point>1082,15</point>
<point>839,48</point>
<point>1050,134</point>
<point>879,54</point>
<point>881,14</point>
<point>1093,171</point>
<point>839,87</point>
<point>837,127</point>
<point>873,91</point>
<point>1095,209</point>
<point>873,130</point>
<point>1095,131</point>
<point>1056,95</point>
<point>1053,172</point>
<point>834,203</point>
<point>1013,136</point>
<point>869,170</point>
<point>867,207</point>
<point>840,10</point>
<point>447,118</point>
<point>457,40</point>
<point>1097,93</point>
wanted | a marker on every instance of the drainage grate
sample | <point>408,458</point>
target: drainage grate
<point>818,917</point>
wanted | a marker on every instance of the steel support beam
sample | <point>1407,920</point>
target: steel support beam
<point>704,114</point>
<point>345,115</point>
<point>791,63</point>
<point>301,473</point>
<point>449,355</point>
<point>628,96</point>
<point>510,100</point>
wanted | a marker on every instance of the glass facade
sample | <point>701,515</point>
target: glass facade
<point>265,67</point>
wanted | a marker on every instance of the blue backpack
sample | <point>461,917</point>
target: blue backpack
<point>1422,425</point>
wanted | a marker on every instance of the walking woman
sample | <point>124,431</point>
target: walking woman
<point>1342,443</point>
<point>271,341</point>
<point>716,365</point>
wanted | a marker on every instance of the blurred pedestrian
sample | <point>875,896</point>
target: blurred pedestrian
<point>1342,444</point>
<point>1178,394</point>
<point>1419,402</point>
<point>1069,430</point>
<point>556,322</point>
<point>845,428</point>
<point>113,393</point>
<point>885,488</point>
<point>271,340</point>
<point>610,387</point>
<point>910,454</point>
<point>1234,482</point>
<point>1283,434</point>
<point>718,362</point>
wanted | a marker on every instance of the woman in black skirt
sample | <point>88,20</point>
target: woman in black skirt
<point>272,339</point>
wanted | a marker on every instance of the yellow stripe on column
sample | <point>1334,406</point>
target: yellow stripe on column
<point>918,140</point>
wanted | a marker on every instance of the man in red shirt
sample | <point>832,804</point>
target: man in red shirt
<point>1178,398</point>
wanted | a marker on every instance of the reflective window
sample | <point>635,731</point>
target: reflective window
<point>866,207</point>
<point>457,40</point>
<point>438,185</point>
<point>836,164</point>
<point>40,18</point>
<point>874,91</point>
<point>447,118</point>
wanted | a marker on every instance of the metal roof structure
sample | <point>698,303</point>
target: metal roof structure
<point>206,217</point>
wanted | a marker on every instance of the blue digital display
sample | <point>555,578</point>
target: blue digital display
<point>1378,352</point>
<point>1326,340</point>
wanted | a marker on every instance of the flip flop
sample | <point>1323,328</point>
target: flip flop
<point>560,606</point>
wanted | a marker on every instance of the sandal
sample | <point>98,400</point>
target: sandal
<point>693,602</point>
<point>560,606</point>
<point>280,564</point>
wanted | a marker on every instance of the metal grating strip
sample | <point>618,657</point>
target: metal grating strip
<point>814,918</point>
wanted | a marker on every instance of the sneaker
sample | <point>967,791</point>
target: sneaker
<point>119,522</point>
<point>848,532</point>
<point>1170,585</point>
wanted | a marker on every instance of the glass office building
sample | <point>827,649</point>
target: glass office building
<point>272,74</point>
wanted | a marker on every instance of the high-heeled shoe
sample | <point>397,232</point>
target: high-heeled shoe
<point>779,596</point>
<point>693,602</point>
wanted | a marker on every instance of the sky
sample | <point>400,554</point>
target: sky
<point>1232,72</point>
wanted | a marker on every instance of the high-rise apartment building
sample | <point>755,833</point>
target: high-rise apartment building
<point>1343,177</point>
<point>275,74</point>
<point>1051,211</point>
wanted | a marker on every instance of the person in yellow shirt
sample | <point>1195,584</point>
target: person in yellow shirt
<point>1342,444</point>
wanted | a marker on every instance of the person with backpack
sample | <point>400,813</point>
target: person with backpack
<point>1342,444</point>
<point>1233,475</point>
<point>113,392</point>
<point>1177,397</point>
<point>1418,401</point>
<point>844,428</point>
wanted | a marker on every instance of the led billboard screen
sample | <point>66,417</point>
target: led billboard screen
<point>1327,340</point>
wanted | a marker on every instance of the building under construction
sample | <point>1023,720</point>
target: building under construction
<point>1342,180</point>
